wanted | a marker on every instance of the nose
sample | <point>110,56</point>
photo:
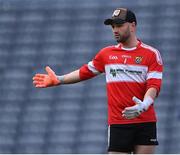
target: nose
<point>115,30</point>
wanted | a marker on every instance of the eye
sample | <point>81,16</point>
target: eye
<point>119,25</point>
<point>112,26</point>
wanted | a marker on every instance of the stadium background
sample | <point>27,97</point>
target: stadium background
<point>65,34</point>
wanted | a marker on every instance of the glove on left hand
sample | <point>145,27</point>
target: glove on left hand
<point>136,110</point>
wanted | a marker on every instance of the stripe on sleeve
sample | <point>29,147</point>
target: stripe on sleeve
<point>154,75</point>
<point>92,68</point>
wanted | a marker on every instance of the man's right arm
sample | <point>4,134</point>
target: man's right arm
<point>87,71</point>
<point>51,79</point>
<point>70,78</point>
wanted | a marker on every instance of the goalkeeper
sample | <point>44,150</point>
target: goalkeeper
<point>133,73</point>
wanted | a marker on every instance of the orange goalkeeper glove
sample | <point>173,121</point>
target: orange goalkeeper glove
<point>46,80</point>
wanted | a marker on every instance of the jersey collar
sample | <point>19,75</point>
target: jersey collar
<point>129,49</point>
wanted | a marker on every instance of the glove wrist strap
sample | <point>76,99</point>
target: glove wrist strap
<point>61,79</point>
<point>147,102</point>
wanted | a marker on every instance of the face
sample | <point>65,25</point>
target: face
<point>122,32</point>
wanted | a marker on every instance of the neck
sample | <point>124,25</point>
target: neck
<point>130,43</point>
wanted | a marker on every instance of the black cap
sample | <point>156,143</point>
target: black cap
<point>121,16</point>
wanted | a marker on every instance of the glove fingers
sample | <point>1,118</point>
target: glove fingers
<point>130,109</point>
<point>37,82</point>
<point>40,75</point>
<point>44,80</point>
<point>129,112</point>
<point>128,116</point>
<point>38,79</point>
<point>50,71</point>
<point>52,75</point>
<point>40,86</point>
<point>131,116</point>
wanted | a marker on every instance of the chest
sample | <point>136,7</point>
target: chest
<point>128,58</point>
<point>131,67</point>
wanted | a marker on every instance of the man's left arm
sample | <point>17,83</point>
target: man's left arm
<point>151,92</point>
<point>154,79</point>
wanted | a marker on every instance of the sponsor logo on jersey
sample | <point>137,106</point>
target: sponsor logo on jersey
<point>113,57</point>
<point>138,59</point>
<point>125,73</point>
<point>114,72</point>
<point>126,56</point>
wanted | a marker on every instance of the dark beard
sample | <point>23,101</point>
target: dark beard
<point>122,39</point>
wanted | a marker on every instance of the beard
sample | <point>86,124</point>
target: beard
<point>122,38</point>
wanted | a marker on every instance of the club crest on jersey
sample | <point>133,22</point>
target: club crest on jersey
<point>138,59</point>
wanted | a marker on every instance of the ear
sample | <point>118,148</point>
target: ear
<point>133,27</point>
<point>134,24</point>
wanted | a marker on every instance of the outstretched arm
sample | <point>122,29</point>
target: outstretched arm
<point>51,79</point>
<point>85,72</point>
<point>70,78</point>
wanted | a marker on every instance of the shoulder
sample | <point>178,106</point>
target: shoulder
<point>149,48</point>
<point>108,49</point>
<point>152,51</point>
<point>104,52</point>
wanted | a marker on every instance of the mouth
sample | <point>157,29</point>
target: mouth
<point>116,35</point>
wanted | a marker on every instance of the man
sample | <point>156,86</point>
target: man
<point>133,75</point>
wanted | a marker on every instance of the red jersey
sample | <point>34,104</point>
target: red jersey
<point>129,72</point>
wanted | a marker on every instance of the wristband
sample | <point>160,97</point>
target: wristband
<point>61,79</point>
<point>147,102</point>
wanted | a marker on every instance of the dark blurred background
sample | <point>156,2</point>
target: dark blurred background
<point>65,34</point>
